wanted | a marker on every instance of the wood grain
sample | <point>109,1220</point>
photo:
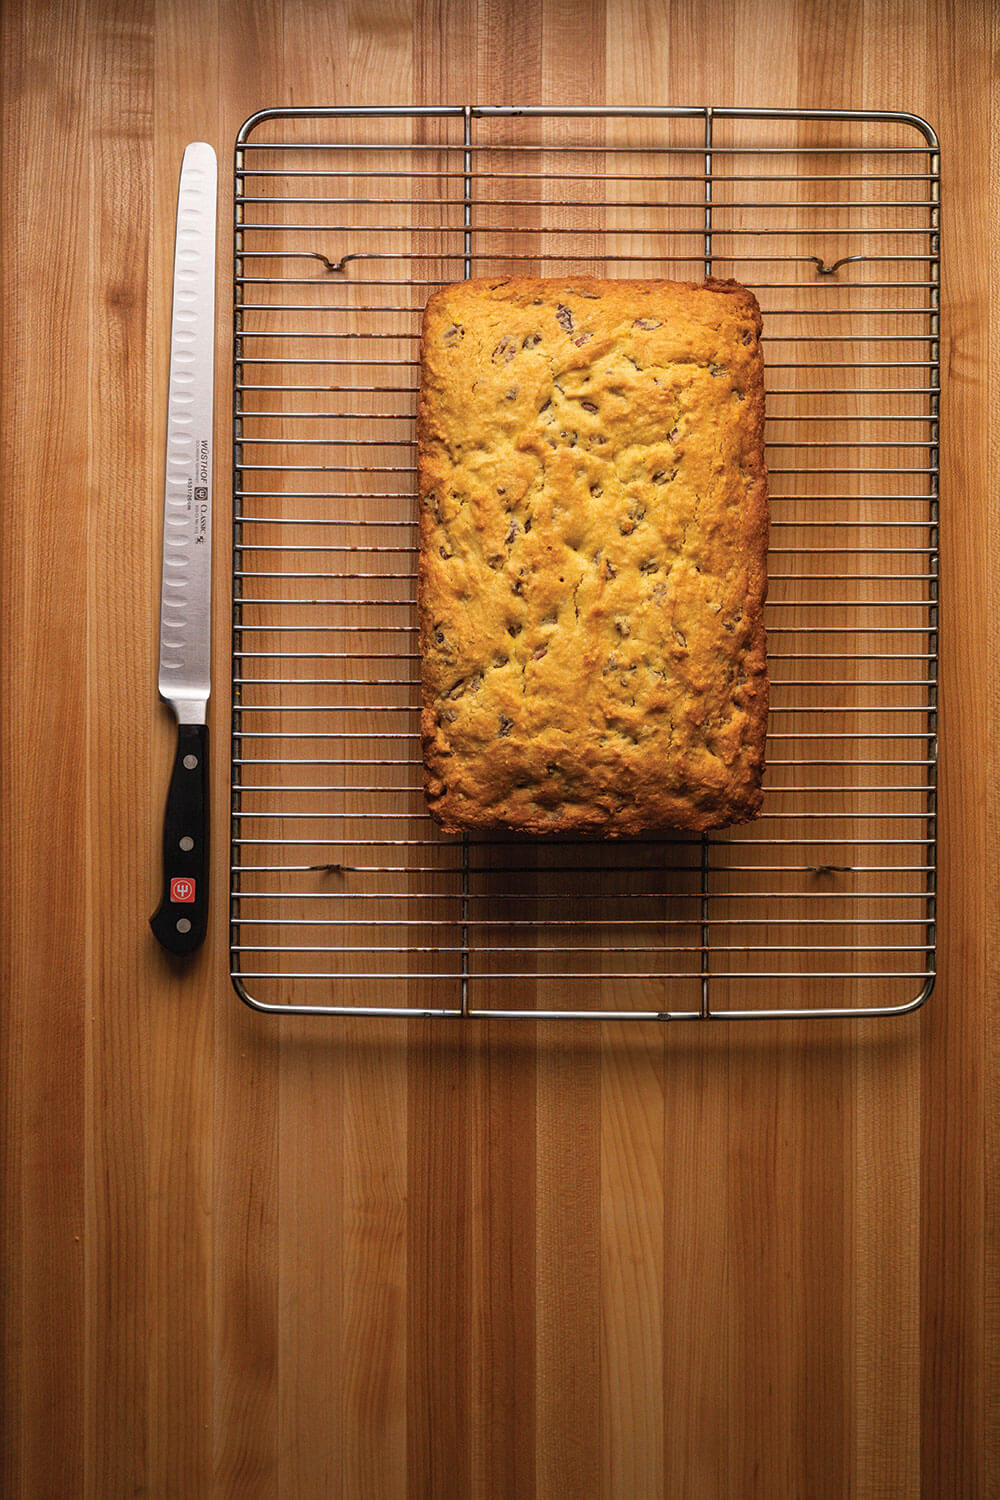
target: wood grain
<point>408,1260</point>
<point>952,1162</point>
<point>48,955</point>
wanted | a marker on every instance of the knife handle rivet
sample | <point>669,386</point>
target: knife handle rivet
<point>186,843</point>
<point>183,925</point>
<point>190,762</point>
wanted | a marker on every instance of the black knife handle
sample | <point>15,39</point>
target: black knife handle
<point>180,920</point>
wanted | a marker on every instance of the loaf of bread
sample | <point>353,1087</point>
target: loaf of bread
<point>593,540</point>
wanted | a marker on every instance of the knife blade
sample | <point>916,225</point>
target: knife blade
<point>184,679</point>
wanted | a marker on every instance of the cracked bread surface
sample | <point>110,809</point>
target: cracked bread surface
<point>593,544</point>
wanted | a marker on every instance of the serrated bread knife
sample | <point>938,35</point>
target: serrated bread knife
<point>179,921</point>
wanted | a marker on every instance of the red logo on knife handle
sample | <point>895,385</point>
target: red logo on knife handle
<point>181,889</point>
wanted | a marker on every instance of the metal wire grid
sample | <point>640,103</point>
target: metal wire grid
<point>345,897</point>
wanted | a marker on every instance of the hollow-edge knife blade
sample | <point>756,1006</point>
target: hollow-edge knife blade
<point>185,596</point>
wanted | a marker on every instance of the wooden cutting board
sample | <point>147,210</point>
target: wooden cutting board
<point>358,1259</point>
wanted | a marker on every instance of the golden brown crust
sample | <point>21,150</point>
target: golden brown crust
<point>593,543</point>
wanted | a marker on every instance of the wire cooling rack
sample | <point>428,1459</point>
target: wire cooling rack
<point>346,898</point>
